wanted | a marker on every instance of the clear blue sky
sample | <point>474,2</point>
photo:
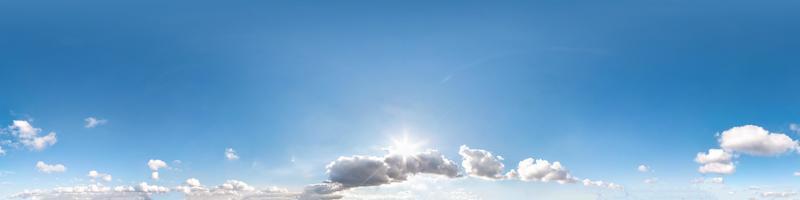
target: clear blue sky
<point>293,85</point>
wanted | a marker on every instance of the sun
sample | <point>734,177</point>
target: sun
<point>404,146</point>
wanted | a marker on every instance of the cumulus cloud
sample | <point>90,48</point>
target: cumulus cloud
<point>232,189</point>
<point>358,171</point>
<point>643,168</point>
<point>650,180</point>
<point>94,175</point>
<point>369,170</point>
<point>754,140</point>
<point>28,136</point>
<point>95,191</point>
<point>794,128</point>
<point>715,161</point>
<point>230,154</point>
<point>92,122</point>
<point>156,164</point>
<point>481,163</point>
<point>2,151</point>
<point>46,168</point>
<point>542,170</point>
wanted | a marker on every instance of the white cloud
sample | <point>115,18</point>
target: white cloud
<point>714,180</point>
<point>156,164</point>
<point>193,182</point>
<point>46,168</point>
<point>230,154</point>
<point>778,194</point>
<point>232,189</point>
<point>95,191</point>
<point>97,175</point>
<point>2,151</point>
<point>715,161</point>
<point>643,168</point>
<point>794,127</point>
<point>590,183</point>
<point>542,170</point>
<point>754,140</point>
<point>28,135</point>
<point>92,122</point>
<point>481,163</point>
<point>650,180</point>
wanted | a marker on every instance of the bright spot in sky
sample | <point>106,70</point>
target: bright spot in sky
<point>404,146</point>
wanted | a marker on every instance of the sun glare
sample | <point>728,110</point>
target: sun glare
<point>404,146</point>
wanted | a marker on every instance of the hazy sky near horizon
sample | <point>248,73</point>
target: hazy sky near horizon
<point>273,93</point>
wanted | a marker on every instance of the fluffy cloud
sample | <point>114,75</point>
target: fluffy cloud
<point>28,135</point>
<point>643,168</point>
<point>232,189</point>
<point>230,154</point>
<point>481,163</point>
<point>650,180</point>
<point>92,122</point>
<point>794,127</point>
<point>95,191</point>
<point>156,164</point>
<point>94,175</point>
<point>715,161</point>
<point>46,168</point>
<point>542,170</point>
<point>154,175</point>
<point>357,171</point>
<point>368,170</point>
<point>2,151</point>
<point>754,140</point>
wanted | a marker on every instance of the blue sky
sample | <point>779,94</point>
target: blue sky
<point>292,86</point>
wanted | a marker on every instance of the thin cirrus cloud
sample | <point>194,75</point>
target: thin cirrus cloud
<point>643,168</point>
<point>230,154</point>
<point>714,180</point>
<point>92,122</point>
<point>794,128</point>
<point>50,168</point>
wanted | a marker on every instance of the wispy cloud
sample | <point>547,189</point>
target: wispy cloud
<point>230,154</point>
<point>92,122</point>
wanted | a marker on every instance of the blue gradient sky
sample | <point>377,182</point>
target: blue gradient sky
<point>291,86</point>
